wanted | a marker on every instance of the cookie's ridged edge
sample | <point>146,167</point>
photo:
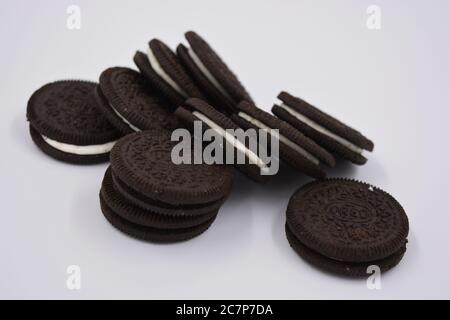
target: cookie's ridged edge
<point>214,96</point>
<point>109,114</point>
<point>251,170</point>
<point>174,196</point>
<point>141,61</point>
<point>173,67</point>
<point>287,154</point>
<point>323,140</point>
<point>327,120</point>
<point>137,215</point>
<point>217,67</point>
<point>373,252</point>
<point>162,208</point>
<point>151,234</point>
<point>288,131</point>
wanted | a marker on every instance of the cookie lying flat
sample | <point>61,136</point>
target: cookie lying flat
<point>135,214</point>
<point>130,104</point>
<point>296,149</point>
<point>217,81</point>
<point>149,197</point>
<point>143,162</point>
<point>197,110</point>
<point>327,131</point>
<point>163,69</point>
<point>344,226</point>
<point>66,124</point>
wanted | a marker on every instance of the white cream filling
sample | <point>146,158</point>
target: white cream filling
<point>208,74</point>
<point>253,157</point>
<point>160,71</point>
<point>282,138</point>
<point>322,129</point>
<point>80,150</point>
<point>134,128</point>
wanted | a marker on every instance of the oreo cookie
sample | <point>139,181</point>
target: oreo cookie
<point>254,166</point>
<point>131,104</point>
<point>66,124</point>
<point>161,66</point>
<point>296,149</point>
<point>221,86</point>
<point>146,195</point>
<point>327,131</point>
<point>345,226</point>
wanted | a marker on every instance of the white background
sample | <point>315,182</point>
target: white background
<point>392,84</point>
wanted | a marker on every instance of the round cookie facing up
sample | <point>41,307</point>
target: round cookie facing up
<point>65,123</point>
<point>161,66</point>
<point>345,226</point>
<point>143,161</point>
<point>131,104</point>
<point>221,86</point>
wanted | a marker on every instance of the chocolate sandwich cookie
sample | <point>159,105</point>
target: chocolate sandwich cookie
<point>217,81</point>
<point>296,149</point>
<point>131,104</point>
<point>162,68</point>
<point>66,124</point>
<point>345,226</point>
<point>147,195</point>
<point>135,214</point>
<point>197,110</point>
<point>327,131</point>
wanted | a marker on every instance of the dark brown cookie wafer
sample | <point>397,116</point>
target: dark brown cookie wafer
<point>148,233</point>
<point>346,220</point>
<point>162,208</point>
<point>166,73</point>
<point>143,161</point>
<point>323,128</point>
<point>127,210</point>
<point>66,124</point>
<point>218,82</point>
<point>296,149</point>
<point>127,98</point>
<point>352,269</point>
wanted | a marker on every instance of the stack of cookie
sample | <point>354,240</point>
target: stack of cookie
<point>147,196</point>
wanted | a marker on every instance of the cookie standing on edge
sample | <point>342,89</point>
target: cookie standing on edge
<point>322,128</point>
<point>197,110</point>
<point>146,195</point>
<point>130,104</point>
<point>217,81</point>
<point>163,69</point>
<point>66,124</point>
<point>296,149</point>
<point>344,226</point>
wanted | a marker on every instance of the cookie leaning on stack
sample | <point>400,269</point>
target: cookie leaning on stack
<point>147,196</point>
<point>131,104</point>
<point>66,124</point>
<point>324,129</point>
